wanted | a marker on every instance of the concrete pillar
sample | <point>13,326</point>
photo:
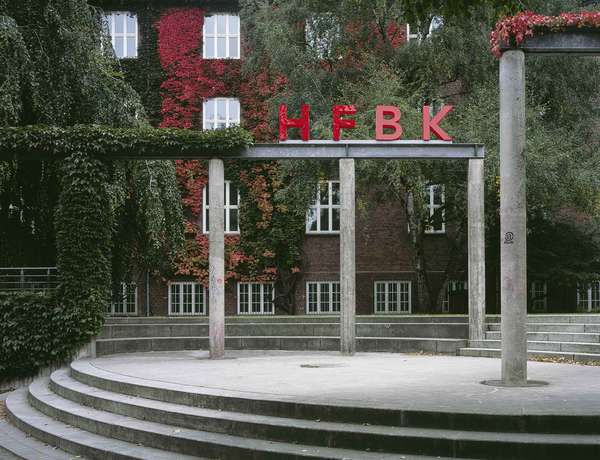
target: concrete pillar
<point>513,225</point>
<point>476,250</point>
<point>347,258</point>
<point>216,258</point>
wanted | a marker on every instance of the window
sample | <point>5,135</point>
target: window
<point>255,298</point>
<point>539,296</point>
<point>324,214</point>
<point>221,37</point>
<point>125,301</point>
<point>435,207</point>
<point>436,23</point>
<point>588,297</point>
<point>392,296</point>
<point>321,33</point>
<point>452,289</point>
<point>123,30</point>
<point>323,297</point>
<point>187,298</point>
<point>220,112</point>
<point>231,209</point>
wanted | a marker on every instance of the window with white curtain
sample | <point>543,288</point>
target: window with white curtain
<point>220,112</point>
<point>221,34</point>
<point>123,30</point>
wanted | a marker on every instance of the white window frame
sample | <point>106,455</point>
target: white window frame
<point>122,35</point>
<point>263,304</point>
<point>330,301</point>
<point>536,288</point>
<point>199,310</point>
<point>215,37</point>
<point>229,122</point>
<point>436,23</point>
<point>316,207</point>
<point>228,207</point>
<point>123,303</point>
<point>590,302</point>
<point>399,284</point>
<point>432,207</point>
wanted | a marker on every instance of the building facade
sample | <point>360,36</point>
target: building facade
<point>192,51</point>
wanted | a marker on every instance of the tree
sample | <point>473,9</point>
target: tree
<point>365,65</point>
<point>60,70</point>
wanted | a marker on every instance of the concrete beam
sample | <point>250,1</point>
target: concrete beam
<point>476,237</point>
<point>513,219</point>
<point>347,257</point>
<point>216,258</point>
<point>586,43</point>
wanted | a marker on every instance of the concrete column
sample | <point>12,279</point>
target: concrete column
<point>513,225</point>
<point>476,250</point>
<point>347,258</point>
<point>216,258</point>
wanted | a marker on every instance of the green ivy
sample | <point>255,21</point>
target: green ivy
<point>35,331</point>
<point>46,142</point>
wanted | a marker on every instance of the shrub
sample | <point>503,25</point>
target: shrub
<point>35,332</point>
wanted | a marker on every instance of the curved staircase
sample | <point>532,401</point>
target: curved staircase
<point>555,337</point>
<point>87,411</point>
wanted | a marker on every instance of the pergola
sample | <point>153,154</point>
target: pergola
<point>513,209</point>
<point>347,152</point>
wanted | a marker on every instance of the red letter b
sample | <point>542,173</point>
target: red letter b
<point>381,123</point>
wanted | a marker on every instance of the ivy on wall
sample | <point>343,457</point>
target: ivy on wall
<point>269,248</point>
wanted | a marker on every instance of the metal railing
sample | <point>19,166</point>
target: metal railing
<point>30,279</point>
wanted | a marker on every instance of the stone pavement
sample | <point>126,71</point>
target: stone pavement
<point>376,380</point>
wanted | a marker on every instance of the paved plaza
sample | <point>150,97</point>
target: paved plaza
<point>378,380</point>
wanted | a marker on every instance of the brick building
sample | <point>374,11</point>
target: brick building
<point>385,268</point>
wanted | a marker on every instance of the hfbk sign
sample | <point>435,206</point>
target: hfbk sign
<point>387,122</point>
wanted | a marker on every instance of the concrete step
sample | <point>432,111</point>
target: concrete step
<point>187,441</point>
<point>253,403</point>
<point>16,445</point>
<point>380,329</point>
<point>327,343</point>
<point>569,347</point>
<point>582,337</point>
<point>555,327</point>
<point>321,433</point>
<point>582,358</point>
<point>74,440</point>
<point>555,318</point>
<point>237,319</point>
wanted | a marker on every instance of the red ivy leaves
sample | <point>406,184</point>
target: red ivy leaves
<point>189,80</point>
<point>515,29</point>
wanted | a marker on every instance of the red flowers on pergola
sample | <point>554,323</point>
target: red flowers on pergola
<point>514,29</point>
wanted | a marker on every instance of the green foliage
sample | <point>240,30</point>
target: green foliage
<point>114,143</point>
<point>83,242</point>
<point>36,331</point>
<point>144,73</point>
<point>452,65</point>
<point>15,59</point>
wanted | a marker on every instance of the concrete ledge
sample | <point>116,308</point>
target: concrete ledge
<point>384,344</point>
